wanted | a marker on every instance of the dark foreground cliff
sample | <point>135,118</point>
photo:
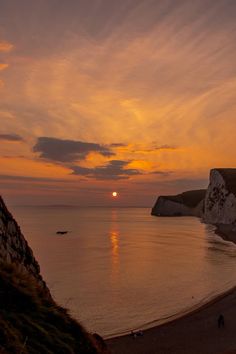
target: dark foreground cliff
<point>30,320</point>
<point>30,323</point>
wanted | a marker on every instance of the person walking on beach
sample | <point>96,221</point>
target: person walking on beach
<point>221,321</point>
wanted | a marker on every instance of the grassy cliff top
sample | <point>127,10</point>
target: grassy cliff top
<point>31,323</point>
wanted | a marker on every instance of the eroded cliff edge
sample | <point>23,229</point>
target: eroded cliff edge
<point>30,320</point>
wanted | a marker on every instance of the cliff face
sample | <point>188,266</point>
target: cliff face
<point>14,249</point>
<point>216,205</point>
<point>30,320</point>
<point>166,207</point>
<point>220,201</point>
<point>186,204</point>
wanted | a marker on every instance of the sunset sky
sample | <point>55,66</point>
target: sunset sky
<point>97,96</point>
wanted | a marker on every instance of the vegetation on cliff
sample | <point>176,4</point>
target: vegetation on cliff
<point>32,323</point>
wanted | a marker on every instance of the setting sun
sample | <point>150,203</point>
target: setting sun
<point>114,194</point>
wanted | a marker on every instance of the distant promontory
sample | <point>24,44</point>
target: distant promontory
<point>188,203</point>
<point>216,205</point>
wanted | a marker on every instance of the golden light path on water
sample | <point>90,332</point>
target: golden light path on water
<point>114,237</point>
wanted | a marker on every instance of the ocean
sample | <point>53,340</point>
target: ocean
<point>121,269</point>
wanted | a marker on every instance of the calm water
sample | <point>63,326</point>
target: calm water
<point>121,269</point>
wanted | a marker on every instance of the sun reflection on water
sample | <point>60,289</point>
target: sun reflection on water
<point>115,246</point>
<point>114,239</point>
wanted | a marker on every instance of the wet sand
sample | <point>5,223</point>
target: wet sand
<point>194,333</point>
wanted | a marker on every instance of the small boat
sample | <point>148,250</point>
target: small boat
<point>61,232</point>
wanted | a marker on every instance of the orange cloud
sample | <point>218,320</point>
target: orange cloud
<point>5,46</point>
<point>3,66</point>
<point>141,165</point>
<point>25,167</point>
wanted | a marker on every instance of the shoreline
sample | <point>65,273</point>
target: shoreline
<point>195,332</point>
<point>172,318</point>
<point>227,234</point>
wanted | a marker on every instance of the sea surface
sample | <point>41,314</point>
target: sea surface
<point>120,269</point>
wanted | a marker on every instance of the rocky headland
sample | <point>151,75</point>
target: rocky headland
<point>216,205</point>
<point>220,202</point>
<point>188,203</point>
<point>30,320</point>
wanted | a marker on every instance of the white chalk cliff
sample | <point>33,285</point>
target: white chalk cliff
<point>216,205</point>
<point>220,200</point>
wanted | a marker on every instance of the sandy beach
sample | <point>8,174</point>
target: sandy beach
<point>194,333</point>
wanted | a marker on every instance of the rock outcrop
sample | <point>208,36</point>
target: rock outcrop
<point>220,200</point>
<point>14,249</point>
<point>189,203</point>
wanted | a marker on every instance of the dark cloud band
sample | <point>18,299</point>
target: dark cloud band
<point>11,137</point>
<point>68,150</point>
<point>114,170</point>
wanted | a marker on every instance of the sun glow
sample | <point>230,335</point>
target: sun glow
<point>114,194</point>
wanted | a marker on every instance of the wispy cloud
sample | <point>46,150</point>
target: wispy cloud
<point>165,147</point>
<point>147,148</point>
<point>11,137</point>
<point>139,82</point>
<point>32,179</point>
<point>5,46</point>
<point>117,145</point>
<point>162,173</point>
<point>3,66</point>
